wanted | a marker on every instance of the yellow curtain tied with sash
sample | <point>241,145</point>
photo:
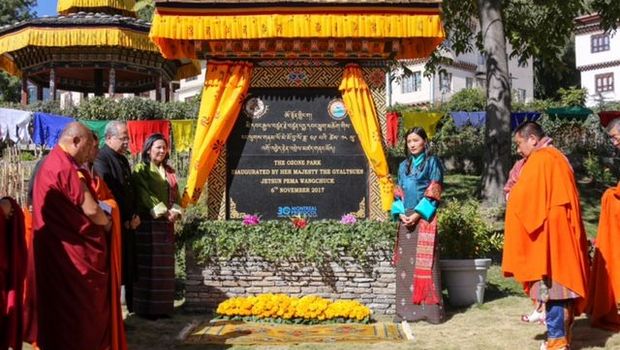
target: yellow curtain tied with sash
<point>363,115</point>
<point>225,88</point>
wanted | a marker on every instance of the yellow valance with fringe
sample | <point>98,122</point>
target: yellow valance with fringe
<point>296,26</point>
<point>419,32</point>
<point>86,36</point>
<point>61,37</point>
<point>363,114</point>
<point>68,6</point>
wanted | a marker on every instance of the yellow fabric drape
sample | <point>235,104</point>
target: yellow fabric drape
<point>225,88</point>
<point>68,6</point>
<point>363,114</point>
<point>176,32</point>
<point>183,133</point>
<point>262,26</point>
<point>426,120</point>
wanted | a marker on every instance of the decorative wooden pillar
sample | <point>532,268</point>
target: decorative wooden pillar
<point>158,86</point>
<point>39,92</point>
<point>112,82</point>
<point>24,88</point>
<point>167,93</point>
<point>53,84</point>
<point>98,82</point>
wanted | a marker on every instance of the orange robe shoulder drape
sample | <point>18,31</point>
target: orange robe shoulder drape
<point>116,315</point>
<point>605,280</point>
<point>544,234</point>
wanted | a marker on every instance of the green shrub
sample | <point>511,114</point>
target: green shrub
<point>464,147</point>
<point>596,171</point>
<point>464,233</point>
<point>319,242</point>
<point>97,108</point>
<point>468,100</point>
<point>49,106</point>
<point>180,110</point>
<point>137,108</point>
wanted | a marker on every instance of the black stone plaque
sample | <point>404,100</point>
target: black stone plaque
<point>294,152</point>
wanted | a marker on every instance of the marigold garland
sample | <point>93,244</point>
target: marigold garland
<point>283,308</point>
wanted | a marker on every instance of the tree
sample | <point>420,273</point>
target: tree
<point>534,28</point>
<point>12,11</point>
<point>145,9</point>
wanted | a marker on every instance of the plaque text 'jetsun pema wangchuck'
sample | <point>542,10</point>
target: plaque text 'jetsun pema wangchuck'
<point>293,152</point>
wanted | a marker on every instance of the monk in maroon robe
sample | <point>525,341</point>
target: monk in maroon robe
<point>70,253</point>
<point>12,272</point>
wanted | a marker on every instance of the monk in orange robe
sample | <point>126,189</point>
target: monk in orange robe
<point>103,194</point>
<point>604,305</point>
<point>545,244</point>
<point>70,250</point>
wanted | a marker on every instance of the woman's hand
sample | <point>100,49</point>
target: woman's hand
<point>410,220</point>
<point>135,222</point>
<point>173,215</point>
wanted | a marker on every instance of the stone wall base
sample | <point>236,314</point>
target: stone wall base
<point>372,284</point>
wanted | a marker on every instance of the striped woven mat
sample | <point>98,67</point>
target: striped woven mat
<point>241,333</point>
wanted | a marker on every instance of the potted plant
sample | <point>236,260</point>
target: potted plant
<point>466,241</point>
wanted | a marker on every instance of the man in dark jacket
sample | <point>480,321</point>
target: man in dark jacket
<point>112,165</point>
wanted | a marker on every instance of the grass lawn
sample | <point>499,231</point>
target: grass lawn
<point>493,325</point>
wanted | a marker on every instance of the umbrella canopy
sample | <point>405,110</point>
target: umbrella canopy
<point>271,29</point>
<point>86,51</point>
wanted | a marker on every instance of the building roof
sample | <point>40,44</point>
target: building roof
<point>80,19</point>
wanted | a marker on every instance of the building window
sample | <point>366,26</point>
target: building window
<point>521,95</point>
<point>411,83</point>
<point>604,82</point>
<point>469,83</point>
<point>600,42</point>
<point>445,82</point>
<point>481,83</point>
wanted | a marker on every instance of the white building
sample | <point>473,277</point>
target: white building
<point>192,86</point>
<point>597,56</point>
<point>466,71</point>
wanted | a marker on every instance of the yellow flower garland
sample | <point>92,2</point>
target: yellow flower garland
<point>311,308</point>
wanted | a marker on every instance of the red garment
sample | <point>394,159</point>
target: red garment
<point>12,272</point>
<point>140,130</point>
<point>71,261</point>
<point>607,116</point>
<point>30,324</point>
<point>392,129</point>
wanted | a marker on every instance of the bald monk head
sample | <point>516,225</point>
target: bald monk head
<point>613,130</point>
<point>527,137</point>
<point>77,140</point>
